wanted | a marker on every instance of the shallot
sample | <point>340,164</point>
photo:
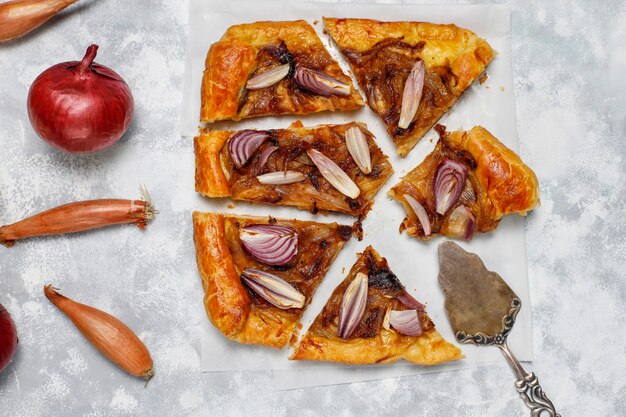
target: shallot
<point>81,216</point>
<point>107,334</point>
<point>19,17</point>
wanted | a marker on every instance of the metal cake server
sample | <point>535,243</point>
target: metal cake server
<point>482,308</point>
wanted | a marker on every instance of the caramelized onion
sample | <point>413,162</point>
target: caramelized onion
<point>334,174</point>
<point>461,223</point>
<point>352,305</point>
<point>273,289</point>
<point>449,183</point>
<point>319,83</point>
<point>412,94</point>
<point>406,322</point>
<point>270,244</point>
<point>243,144</point>
<point>420,212</point>
<point>268,78</point>
<point>359,149</point>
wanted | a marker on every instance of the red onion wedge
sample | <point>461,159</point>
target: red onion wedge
<point>319,83</point>
<point>359,149</point>
<point>275,290</point>
<point>281,177</point>
<point>449,183</point>
<point>352,305</point>
<point>461,223</point>
<point>412,94</point>
<point>243,144</point>
<point>270,244</point>
<point>268,78</point>
<point>333,174</point>
<point>406,322</point>
<point>420,212</point>
<point>265,154</point>
<point>409,301</point>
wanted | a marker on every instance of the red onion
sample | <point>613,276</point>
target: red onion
<point>265,154</point>
<point>409,301</point>
<point>80,107</point>
<point>352,305</point>
<point>268,78</point>
<point>8,338</point>
<point>270,244</point>
<point>406,322</point>
<point>449,183</point>
<point>243,144</point>
<point>461,223</point>
<point>420,212</point>
<point>273,289</point>
<point>319,83</point>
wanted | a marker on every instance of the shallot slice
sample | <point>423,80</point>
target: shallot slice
<point>273,289</point>
<point>265,154</point>
<point>281,177</point>
<point>359,149</point>
<point>449,182</point>
<point>352,305</point>
<point>268,78</point>
<point>319,83</point>
<point>243,144</point>
<point>406,322</point>
<point>334,174</point>
<point>107,334</point>
<point>420,212</point>
<point>412,94</point>
<point>81,216</point>
<point>271,244</point>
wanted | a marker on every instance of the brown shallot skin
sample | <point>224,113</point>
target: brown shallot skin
<point>107,334</point>
<point>19,17</point>
<point>77,217</point>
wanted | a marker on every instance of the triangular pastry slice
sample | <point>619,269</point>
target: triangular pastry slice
<point>371,318</point>
<point>259,273</point>
<point>465,185</point>
<point>411,72</point>
<point>272,68</point>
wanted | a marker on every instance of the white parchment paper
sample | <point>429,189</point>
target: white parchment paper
<point>491,105</point>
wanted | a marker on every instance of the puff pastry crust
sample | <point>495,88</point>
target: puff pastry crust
<point>216,175</point>
<point>238,312</point>
<point>382,54</point>
<point>371,343</point>
<point>247,49</point>
<point>498,182</point>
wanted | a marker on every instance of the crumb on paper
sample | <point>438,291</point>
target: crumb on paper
<point>324,31</point>
<point>487,87</point>
<point>343,269</point>
<point>501,88</point>
<point>315,22</point>
<point>232,206</point>
<point>296,124</point>
<point>483,78</point>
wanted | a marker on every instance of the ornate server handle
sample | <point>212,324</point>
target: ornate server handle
<point>528,387</point>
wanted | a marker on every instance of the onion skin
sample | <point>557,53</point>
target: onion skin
<point>8,338</point>
<point>19,17</point>
<point>78,217</point>
<point>107,334</point>
<point>80,107</point>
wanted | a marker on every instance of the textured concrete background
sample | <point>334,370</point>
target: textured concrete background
<point>568,62</point>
